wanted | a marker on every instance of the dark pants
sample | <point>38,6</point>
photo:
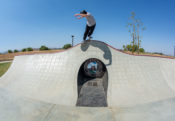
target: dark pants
<point>89,31</point>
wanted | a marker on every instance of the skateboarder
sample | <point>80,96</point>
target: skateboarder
<point>90,24</point>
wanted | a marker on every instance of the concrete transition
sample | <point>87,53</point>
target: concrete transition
<point>89,82</point>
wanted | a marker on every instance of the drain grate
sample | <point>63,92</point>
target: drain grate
<point>89,83</point>
<point>92,84</point>
<point>95,84</point>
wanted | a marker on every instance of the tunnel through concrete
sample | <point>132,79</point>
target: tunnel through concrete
<point>92,84</point>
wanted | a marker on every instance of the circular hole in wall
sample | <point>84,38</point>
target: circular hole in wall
<point>94,68</point>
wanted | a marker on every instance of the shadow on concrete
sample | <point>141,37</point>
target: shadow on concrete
<point>102,46</point>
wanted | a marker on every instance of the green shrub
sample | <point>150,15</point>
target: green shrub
<point>29,49</point>
<point>43,47</point>
<point>128,47</point>
<point>15,51</point>
<point>158,53</point>
<point>66,46</point>
<point>124,48</point>
<point>141,50</point>
<point>24,50</point>
<point>131,47</point>
<point>10,51</point>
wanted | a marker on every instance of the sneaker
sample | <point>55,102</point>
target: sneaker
<point>90,38</point>
<point>84,41</point>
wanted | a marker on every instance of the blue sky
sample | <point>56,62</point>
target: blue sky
<point>33,23</point>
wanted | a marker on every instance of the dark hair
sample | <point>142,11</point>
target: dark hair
<point>83,12</point>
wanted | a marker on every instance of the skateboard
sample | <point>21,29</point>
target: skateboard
<point>86,41</point>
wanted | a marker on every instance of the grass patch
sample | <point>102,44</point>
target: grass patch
<point>4,67</point>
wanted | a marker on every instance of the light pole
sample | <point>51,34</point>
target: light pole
<point>174,51</point>
<point>72,40</point>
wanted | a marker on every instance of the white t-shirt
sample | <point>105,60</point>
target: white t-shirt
<point>90,20</point>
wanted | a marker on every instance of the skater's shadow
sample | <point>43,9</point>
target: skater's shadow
<point>102,46</point>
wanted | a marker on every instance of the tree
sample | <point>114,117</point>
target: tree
<point>43,47</point>
<point>133,48</point>
<point>129,47</point>
<point>15,51</point>
<point>29,49</point>
<point>124,47</point>
<point>141,50</point>
<point>135,27</point>
<point>10,51</point>
<point>66,46</point>
<point>24,50</point>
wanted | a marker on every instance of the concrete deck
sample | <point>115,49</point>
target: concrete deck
<point>5,61</point>
<point>43,87</point>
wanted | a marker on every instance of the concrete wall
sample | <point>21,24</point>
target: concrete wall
<point>52,78</point>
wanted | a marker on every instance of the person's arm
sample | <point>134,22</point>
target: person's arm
<point>82,15</point>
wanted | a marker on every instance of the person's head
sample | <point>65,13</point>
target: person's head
<point>83,12</point>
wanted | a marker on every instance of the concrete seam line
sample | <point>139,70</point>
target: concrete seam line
<point>113,116</point>
<point>5,61</point>
<point>49,112</point>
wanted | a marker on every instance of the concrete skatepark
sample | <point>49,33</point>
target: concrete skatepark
<point>54,87</point>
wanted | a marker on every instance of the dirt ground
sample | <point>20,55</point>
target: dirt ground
<point>149,54</point>
<point>10,56</point>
